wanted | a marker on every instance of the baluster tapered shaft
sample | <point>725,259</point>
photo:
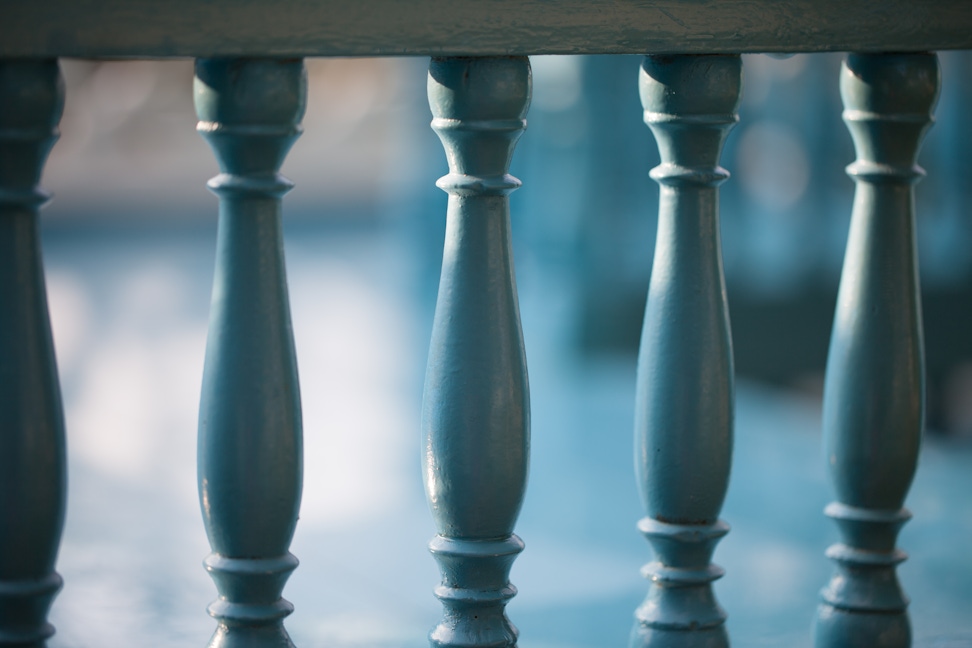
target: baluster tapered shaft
<point>476,417</point>
<point>684,408</point>
<point>874,391</point>
<point>250,443</point>
<point>32,448</point>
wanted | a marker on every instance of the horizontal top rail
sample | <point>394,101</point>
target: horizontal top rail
<point>290,28</point>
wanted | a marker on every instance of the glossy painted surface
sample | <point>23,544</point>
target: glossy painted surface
<point>874,394</point>
<point>250,443</point>
<point>161,28</point>
<point>684,397</point>
<point>32,452</point>
<point>476,411</point>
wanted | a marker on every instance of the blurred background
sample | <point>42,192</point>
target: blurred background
<point>129,246</point>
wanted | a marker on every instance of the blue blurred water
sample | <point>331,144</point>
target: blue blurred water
<point>129,309</point>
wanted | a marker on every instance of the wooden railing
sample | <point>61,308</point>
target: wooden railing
<point>250,89</point>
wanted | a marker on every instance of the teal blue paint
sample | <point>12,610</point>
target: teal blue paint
<point>250,444</point>
<point>33,469</point>
<point>874,391</point>
<point>476,415</point>
<point>684,401</point>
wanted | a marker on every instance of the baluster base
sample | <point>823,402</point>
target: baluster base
<point>474,592</point>
<point>250,610</point>
<point>23,611</point>
<point>837,628</point>
<point>247,636</point>
<point>681,610</point>
<point>645,637</point>
<point>864,604</point>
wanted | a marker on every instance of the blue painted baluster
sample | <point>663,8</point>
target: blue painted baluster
<point>250,447</point>
<point>684,408</point>
<point>874,392</point>
<point>476,416</point>
<point>32,455</point>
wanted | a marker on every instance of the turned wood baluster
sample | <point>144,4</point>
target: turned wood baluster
<point>250,444</point>
<point>874,392</point>
<point>32,450</point>
<point>684,408</point>
<point>476,417</point>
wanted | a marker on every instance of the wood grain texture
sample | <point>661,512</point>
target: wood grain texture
<point>184,28</point>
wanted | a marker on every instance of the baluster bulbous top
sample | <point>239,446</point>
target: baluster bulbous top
<point>701,91</point>
<point>32,93</point>
<point>890,83</point>
<point>888,100</point>
<point>31,104</point>
<point>479,89</point>
<point>691,85</point>
<point>250,92</point>
<point>250,110</point>
<point>479,107</point>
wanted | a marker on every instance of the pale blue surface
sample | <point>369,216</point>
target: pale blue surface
<point>129,310</point>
